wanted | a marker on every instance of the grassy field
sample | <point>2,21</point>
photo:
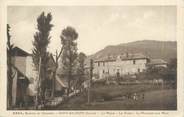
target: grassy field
<point>112,91</point>
<point>156,97</point>
<point>154,100</point>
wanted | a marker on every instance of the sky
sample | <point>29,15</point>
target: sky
<point>97,26</point>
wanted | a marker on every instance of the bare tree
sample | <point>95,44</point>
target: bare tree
<point>57,56</point>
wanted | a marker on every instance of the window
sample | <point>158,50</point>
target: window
<point>98,63</point>
<point>133,61</point>
<point>103,63</point>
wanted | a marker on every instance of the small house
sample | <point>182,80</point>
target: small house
<point>23,70</point>
<point>157,63</point>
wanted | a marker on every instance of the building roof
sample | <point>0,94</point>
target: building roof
<point>20,73</point>
<point>106,58</point>
<point>133,56</point>
<point>125,56</point>
<point>157,62</point>
<point>16,51</point>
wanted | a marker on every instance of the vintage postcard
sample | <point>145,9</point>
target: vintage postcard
<point>92,58</point>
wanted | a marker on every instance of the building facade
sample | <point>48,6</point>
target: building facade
<point>124,64</point>
<point>24,80</point>
<point>24,62</point>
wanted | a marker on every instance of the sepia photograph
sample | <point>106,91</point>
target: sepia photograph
<point>91,57</point>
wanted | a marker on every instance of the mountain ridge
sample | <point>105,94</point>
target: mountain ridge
<point>165,50</point>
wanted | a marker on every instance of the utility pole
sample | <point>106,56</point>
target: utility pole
<point>90,80</point>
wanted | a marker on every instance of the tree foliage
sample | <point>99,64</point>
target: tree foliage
<point>171,73</point>
<point>40,43</point>
<point>173,64</point>
<point>69,54</point>
<point>42,38</point>
<point>81,68</point>
<point>81,63</point>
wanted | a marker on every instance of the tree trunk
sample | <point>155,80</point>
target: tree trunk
<point>70,68</point>
<point>43,80</point>
<point>53,84</point>
<point>10,81</point>
<point>68,90</point>
<point>9,94</point>
<point>38,85</point>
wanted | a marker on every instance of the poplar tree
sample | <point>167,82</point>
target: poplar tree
<point>40,55</point>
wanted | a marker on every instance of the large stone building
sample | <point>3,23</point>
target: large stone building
<point>124,64</point>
